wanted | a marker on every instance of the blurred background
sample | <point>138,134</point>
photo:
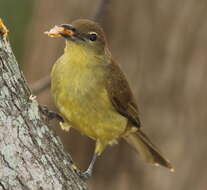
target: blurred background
<point>162,47</point>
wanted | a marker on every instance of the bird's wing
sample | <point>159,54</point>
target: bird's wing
<point>120,94</point>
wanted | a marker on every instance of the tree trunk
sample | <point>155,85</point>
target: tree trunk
<point>31,156</point>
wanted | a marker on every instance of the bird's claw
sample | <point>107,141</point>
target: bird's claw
<point>83,175</point>
<point>50,114</point>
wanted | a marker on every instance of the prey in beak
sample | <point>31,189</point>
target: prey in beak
<point>65,30</point>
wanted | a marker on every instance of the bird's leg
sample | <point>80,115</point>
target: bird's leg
<point>100,146</point>
<point>50,114</point>
<point>88,173</point>
<point>54,115</point>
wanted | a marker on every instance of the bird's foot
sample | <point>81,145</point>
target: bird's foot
<point>50,114</point>
<point>83,175</point>
<point>88,173</point>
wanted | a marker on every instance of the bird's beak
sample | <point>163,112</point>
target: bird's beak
<point>64,30</point>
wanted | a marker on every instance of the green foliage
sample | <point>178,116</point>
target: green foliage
<point>16,16</point>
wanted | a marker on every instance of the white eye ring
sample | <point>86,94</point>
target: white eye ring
<point>93,36</point>
<point>93,33</point>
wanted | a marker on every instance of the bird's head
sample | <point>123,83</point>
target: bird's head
<point>82,32</point>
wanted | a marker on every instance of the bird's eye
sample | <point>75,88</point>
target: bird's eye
<point>92,36</point>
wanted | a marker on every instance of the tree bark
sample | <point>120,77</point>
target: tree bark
<point>31,156</point>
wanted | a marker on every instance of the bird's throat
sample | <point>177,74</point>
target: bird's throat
<point>78,53</point>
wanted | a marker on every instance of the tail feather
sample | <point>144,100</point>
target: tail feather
<point>147,150</point>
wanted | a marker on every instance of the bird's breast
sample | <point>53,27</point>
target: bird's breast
<point>78,88</point>
<point>79,93</point>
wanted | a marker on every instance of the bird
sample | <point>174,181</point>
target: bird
<point>93,95</point>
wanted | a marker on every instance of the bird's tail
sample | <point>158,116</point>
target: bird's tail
<point>149,152</point>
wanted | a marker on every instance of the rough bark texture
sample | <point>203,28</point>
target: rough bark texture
<point>31,156</point>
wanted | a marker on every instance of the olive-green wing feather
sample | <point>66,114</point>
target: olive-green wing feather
<point>120,94</point>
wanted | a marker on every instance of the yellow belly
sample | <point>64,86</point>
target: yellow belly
<point>81,98</point>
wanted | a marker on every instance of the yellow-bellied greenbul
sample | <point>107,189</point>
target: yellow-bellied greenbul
<point>93,95</point>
